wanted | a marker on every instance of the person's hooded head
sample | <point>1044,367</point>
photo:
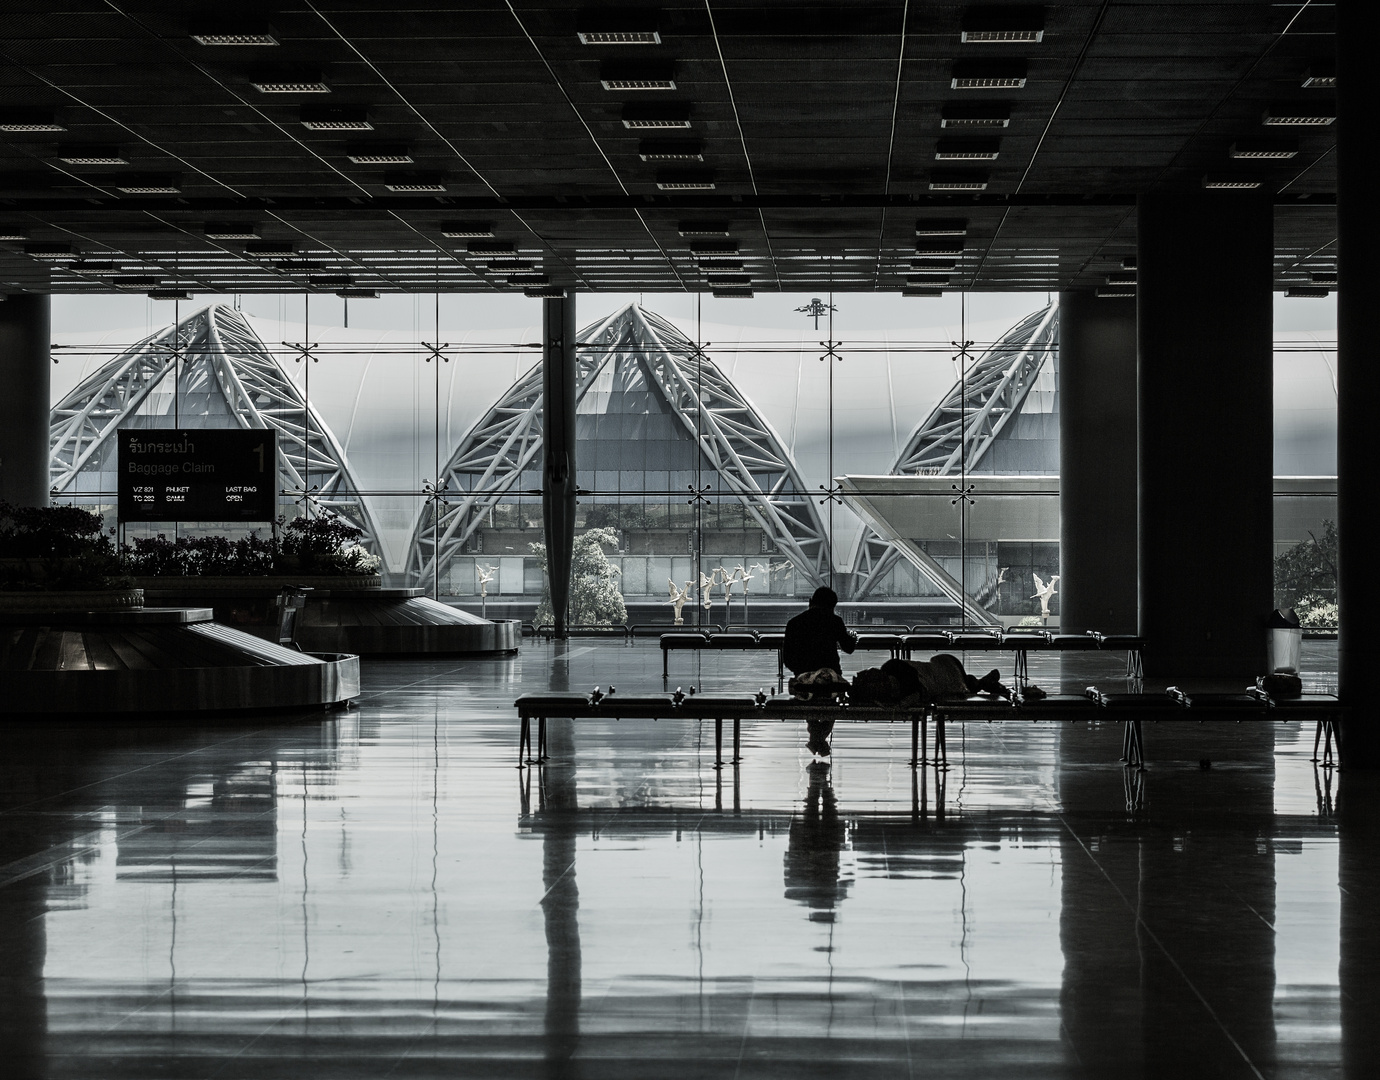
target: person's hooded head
<point>824,598</point>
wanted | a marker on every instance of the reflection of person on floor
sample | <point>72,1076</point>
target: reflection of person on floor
<point>813,640</point>
<point>812,856</point>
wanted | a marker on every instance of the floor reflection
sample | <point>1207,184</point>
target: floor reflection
<point>363,894</point>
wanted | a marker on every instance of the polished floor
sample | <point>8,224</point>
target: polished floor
<point>382,893</point>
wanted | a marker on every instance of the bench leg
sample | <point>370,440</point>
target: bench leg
<point>665,670</point>
<point>718,742</point>
<point>941,744</point>
<point>737,754</point>
<point>914,740</point>
<point>541,739</point>
<point>525,740</point>
<point>780,673</point>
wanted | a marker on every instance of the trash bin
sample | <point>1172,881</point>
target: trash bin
<point>1283,642</point>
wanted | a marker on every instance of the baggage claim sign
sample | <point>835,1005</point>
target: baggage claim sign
<point>198,474</point>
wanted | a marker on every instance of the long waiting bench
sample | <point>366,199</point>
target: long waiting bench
<point>1131,710</point>
<point>1020,643</point>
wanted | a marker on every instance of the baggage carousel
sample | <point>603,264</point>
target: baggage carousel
<point>68,658</point>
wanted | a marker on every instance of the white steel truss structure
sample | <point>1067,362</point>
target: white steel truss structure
<point>221,373</point>
<point>736,444</point>
<point>961,429</point>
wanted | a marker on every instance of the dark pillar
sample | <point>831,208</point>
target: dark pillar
<point>25,402</point>
<point>1205,329</point>
<point>1358,815</point>
<point>1358,379</point>
<point>558,447</point>
<point>1097,464</point>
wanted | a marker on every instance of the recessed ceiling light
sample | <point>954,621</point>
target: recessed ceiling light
<point>1308,291</point>
<point>509,266</point>
<point>459,230</point>
<point>619,75</point>
<point>28,120</point>
<point>1116,292</point>
<point>728,281</point>
<point>941,227</point>
<point>7,233</point>
<point>335,118</point>
<point>169,294</point>
<point>927,279</point>
<point>933,264</point>
<point>270,247</point>
<point>670,150</point>
<point>702,228</point>
<point>939,245</point>
<point>91,155</point>
<point>1298,114</point>
<point>1263,150</point>
<point>732,294</point>
<point>414,183</point>
<point>53,251</point>
<point>94,268</point>
<point>957,180</point>
<point>148,185</point>
<point>1230,183</point>
<point>234,32</point>
<point>961,149</point>
<point>714,247</point>
<point>547,292</point>
<point>358,294</point>
<point>490,247</point>
<point>134,281</point>
<point>230,230</point>
<point>1128,262</point>
<point>685,180</point>
<point>650,117</point>
<point>959,115</point>
<point>1324,278</point>
<point>1003,25</point>
<point>331,281</point>
<point>1122,277</point>
<point>289,82</point>
<point>721,264</point>
<point>988,75</point>
<point>627,27</point>
<point>1321,75</point>
<point>379,155</point>
<point>920,290</point>
<point>529,279</point>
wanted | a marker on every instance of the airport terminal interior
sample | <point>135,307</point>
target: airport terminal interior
<point>421,422</point>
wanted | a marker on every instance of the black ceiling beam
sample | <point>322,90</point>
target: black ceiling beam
<point>578,203</point>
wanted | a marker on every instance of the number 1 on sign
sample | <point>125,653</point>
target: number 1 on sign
<point>260,451</point>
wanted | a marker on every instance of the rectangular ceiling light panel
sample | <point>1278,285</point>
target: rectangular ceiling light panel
<point>1298,114</point>
<point>460,230</point>
<point>379,155</point>
<point>1003,25</point>
<point>91,155</point>
<point>152,184</point>
<point>335,118</point>
<point>967,149</point>
<point>1262,150</point>
<point>685,180</point>
<point>289,82</point>
<point>414,183</point>
<point>702,228</point>
<point>975,117</point>
<point>714,247</point>
<point>649,117</point>
<point>231,230</point>
<point>988,75</point>
<point>614,75</point>
<point>29,120</point>
<point>958,181</point>
<point>670,150</point>
<point>941,227</point>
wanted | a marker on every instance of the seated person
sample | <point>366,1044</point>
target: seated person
<point>813,640</point>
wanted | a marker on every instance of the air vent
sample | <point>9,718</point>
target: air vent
<point>927,279</point>
<point>967,149</point>
<point>685,180</point>
<point>988,75</point>
<point>1299,114</point>
<point>703,228</point>
<point>270,247</point>
<point>529,279</point>
<point>289,82</point>
<point>957,180</point>
<point>490,247</point>
<point>9,233</point>
<point>714,247</point>
<point>1230,183</point>
<point>95,269</point>
<point>650,117</point>
<point>335,118</point>
<point>379,155</point>
<point>548,292</point>
<point>934,264</point>
<point>1321,75</point>
<point>235,33</point>
<point>135,281</point>
<point>169,294</point>
<point>728,281</point>
<point>617,75</point>
<point>414,183</point>
<point>461,230</point>
<point>331,281</point>
<point>509,266</point>
<point>1324,278</point>
<point>1122,277</point>
<point>670,150</point>
<point>976,116</point>
<point>231,230</point>
<point>939,245</point>
<point>721,264</point>
<point>628,27</point>
<point>1116,292</point>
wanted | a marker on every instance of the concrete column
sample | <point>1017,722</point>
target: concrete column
<point>558,449</point>
<point>1358,379</point>
<point>1097,464</point>
<point>25,401</point>
<point>1205,373</point>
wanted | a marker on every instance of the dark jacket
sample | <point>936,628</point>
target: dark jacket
<point>813,640</point>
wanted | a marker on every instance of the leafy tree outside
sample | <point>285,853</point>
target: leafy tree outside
<point>595,599</point>
<point>1306,578</point>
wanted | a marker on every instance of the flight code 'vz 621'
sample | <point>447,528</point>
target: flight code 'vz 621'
<point>198,474</point>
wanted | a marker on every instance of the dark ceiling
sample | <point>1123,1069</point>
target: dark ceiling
<point>818,126</point>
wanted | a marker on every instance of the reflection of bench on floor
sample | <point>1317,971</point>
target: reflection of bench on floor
<point>1018,642</point>
<point>1128,709</point>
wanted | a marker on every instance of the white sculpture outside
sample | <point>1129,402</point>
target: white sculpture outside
<point>679,598</point>
<point>1044,593</point>
<point>486,575</point>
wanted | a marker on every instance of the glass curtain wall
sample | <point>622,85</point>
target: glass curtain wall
<point>729,461</point>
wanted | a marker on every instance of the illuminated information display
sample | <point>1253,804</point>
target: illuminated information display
<point>198,474</point>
